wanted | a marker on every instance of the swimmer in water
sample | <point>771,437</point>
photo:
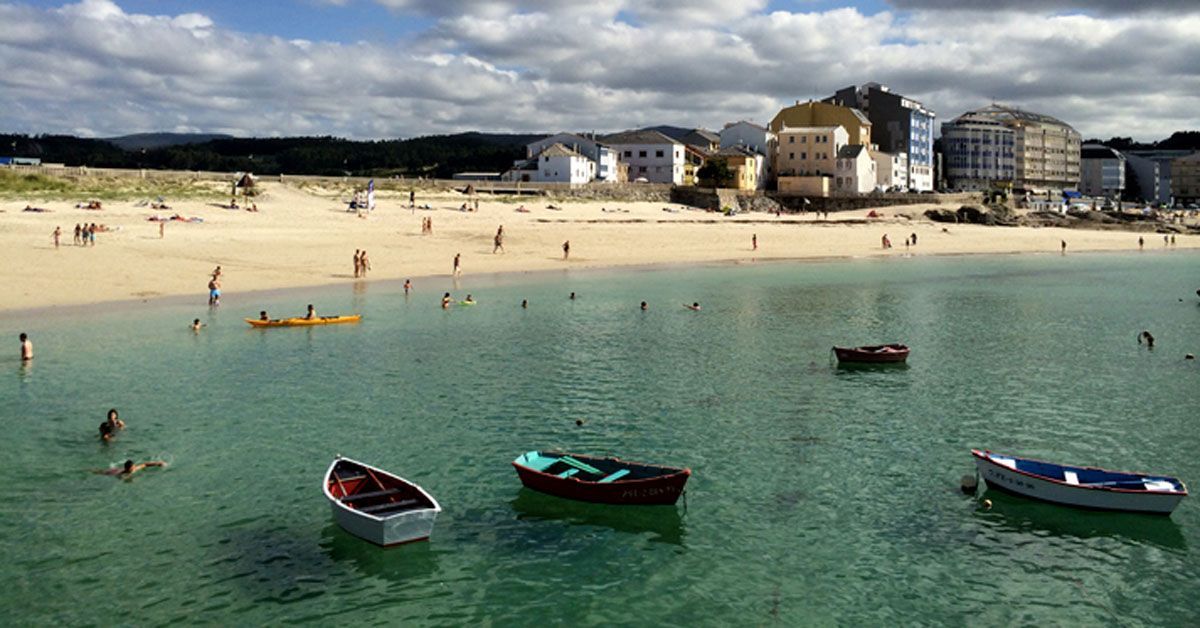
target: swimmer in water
<point>644,306</point>
<point>129,468</point>
<point>446,301</point>
<point>196,324</point>
<point>695,307</point>
<point>468,300</point>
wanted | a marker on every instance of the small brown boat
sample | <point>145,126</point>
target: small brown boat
<point>872,354</point>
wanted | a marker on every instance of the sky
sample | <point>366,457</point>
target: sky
<point>375,69</point>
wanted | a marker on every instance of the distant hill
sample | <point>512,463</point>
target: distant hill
<point>437,156</point>
<point>1179,140</point>
<point>149,141</point>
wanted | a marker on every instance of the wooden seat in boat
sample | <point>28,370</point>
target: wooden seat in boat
<point>381,508</point>
<point>359,496</point>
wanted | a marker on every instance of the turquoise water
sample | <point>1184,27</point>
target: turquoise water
<point>821,496</point>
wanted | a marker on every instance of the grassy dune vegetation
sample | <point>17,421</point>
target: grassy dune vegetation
<point>38,187</point>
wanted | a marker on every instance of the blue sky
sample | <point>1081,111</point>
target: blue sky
<point>400,68</point>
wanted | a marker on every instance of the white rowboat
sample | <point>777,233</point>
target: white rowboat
<point>378,506</point>
<point>1082,487</point>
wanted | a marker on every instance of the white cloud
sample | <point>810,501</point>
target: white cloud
<point>544,65</point>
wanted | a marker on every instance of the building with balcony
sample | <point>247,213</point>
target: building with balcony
<point>899,125</point>
<point>980,145</point>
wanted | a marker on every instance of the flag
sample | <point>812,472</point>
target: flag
<point>371,195</point>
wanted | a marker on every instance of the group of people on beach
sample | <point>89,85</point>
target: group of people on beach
<point>361,263</point>
<point>85,234</point>
<point>427,225</point>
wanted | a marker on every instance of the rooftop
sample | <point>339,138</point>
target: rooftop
<point>850,151</point>
<point>638,137</point>
<point>1006,114</point>
<point>558,150</point>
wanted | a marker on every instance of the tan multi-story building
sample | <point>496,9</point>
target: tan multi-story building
<point>1185,178</point>
<point>1045,151</point>
<point>806,158</point>
<point>855,126</point>
<point>823,114</point>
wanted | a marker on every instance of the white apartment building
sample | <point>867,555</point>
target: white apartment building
<point>604,156</point>
<point>649,155</point>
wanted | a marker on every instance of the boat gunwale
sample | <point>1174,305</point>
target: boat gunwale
<point>675,471</point>
<point>437,508</point>
<point>986,454</point>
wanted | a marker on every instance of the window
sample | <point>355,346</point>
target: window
<point>641,153</point>
<point>658,153</point>
<point>791,155</point>
<point>547,159</point>
<point>791,139</point>
<point>629,153</point>
<point>641,168</point>
<point>804,140</point>
<point>803,155</point>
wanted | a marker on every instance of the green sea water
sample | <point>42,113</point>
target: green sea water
<point>820,496</point>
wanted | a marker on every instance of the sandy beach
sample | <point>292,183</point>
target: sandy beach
<point>299,238</point>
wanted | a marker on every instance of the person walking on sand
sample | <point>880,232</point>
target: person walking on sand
<point>754,242</point>
<point>357,264</point>
<point>58,234</point>
<point>457,264</point>
<point>412,200</point>
<point>887,244</point>
<point>566,250</point>
<point>1141,243</point>
<point>92,234</point>
<point>78,230</point>
<point>364,263</point>
<point>26,348</point>
<point>498,241</point>
<point>162,229</point>
<point>1064,247</point>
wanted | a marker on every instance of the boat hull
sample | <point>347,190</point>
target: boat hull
<point>389,526</point>
<point>664,489</point>
<point>1008,480</point>
<point>872,355</point>
<point>408,527</point>
<point>304,322</point>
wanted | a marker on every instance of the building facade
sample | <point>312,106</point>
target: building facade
<point>604,156</point>
<point>1101,171</point>
<point>649,155</point>
<point>748,135</point>
<point>1164,160</point>
<point>747,165</point>
<point>1185,179</point>
<point>855,170</point>
<point>899,125</point>
<point>806,158</point>
<point>1045,150</point>
<point>891,171</point>
<point>1146,175</point>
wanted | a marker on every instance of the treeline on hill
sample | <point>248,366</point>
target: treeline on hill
<point>436,156</point>
<point>1179,140</point>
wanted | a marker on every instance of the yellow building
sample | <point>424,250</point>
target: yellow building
<point>805,155</point>
<point>823,114</point>
<point>746,165</point>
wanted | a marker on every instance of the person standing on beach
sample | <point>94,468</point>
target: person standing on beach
<point>92,234</point>
<point>26,348</point>
<point>1064,247</point>
<point>566,250</point>
<point>162,229</point>
<point>58,234</point>
<point>457,264</point>
<point>412,200</point>
<point>357,264</point>
<point>754,242</point>
<point>78,231</point>
<point>364,263</point>
<point>1141,243</point>
<point>429,225</point>
<point>914,239</point>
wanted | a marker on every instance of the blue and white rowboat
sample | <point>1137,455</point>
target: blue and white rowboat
<point>1082,487</point>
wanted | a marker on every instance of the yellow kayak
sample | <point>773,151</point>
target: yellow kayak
<point>302,322</point>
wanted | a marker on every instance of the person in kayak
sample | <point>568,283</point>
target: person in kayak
<point>311,314</point>
<point>262,316</point>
